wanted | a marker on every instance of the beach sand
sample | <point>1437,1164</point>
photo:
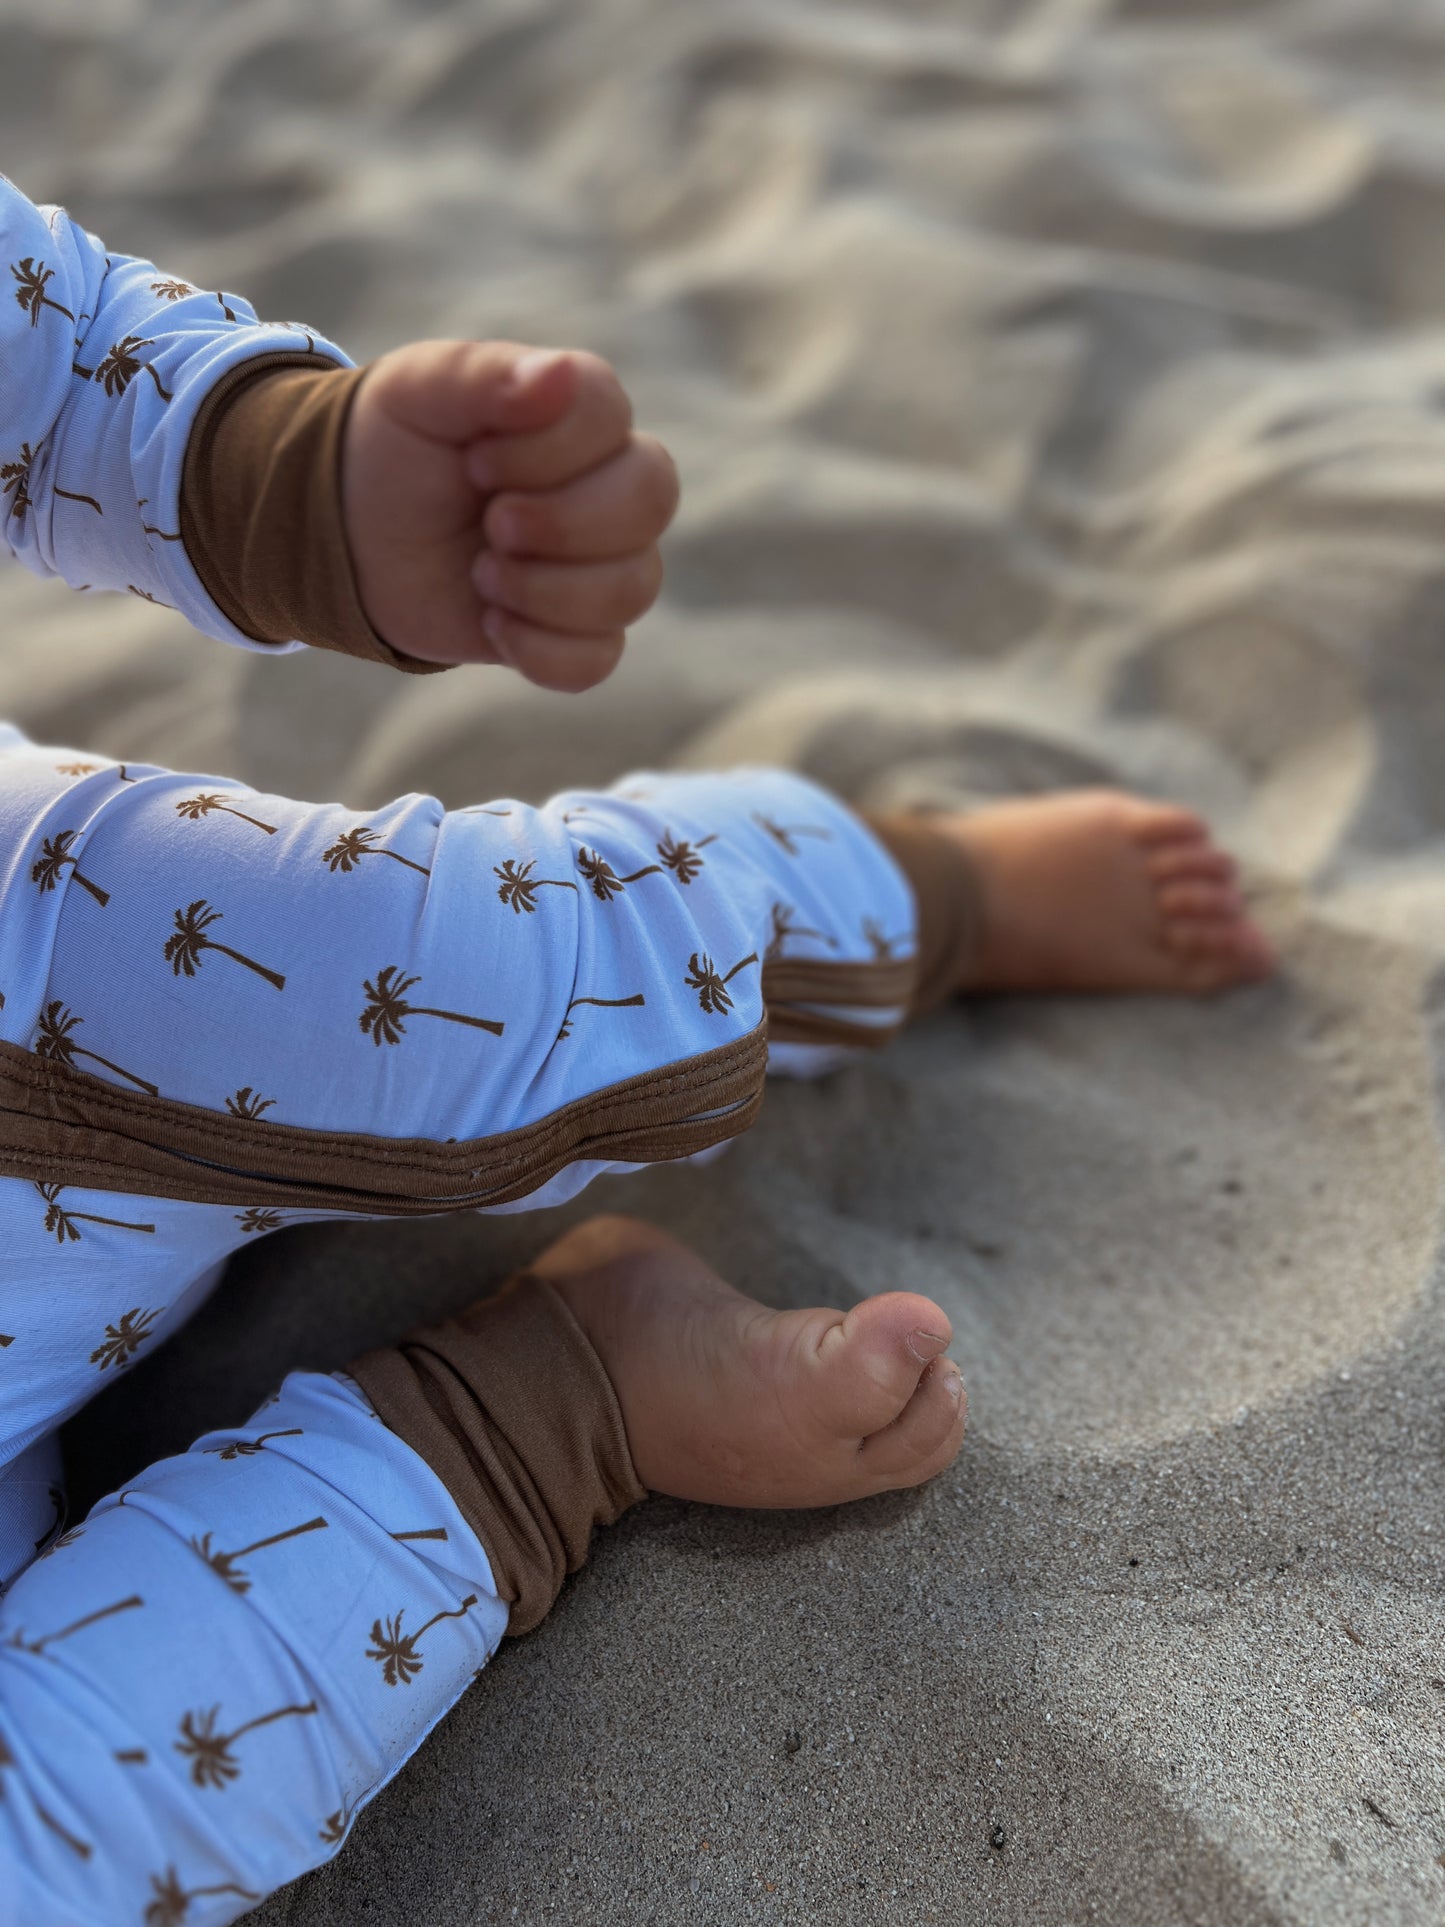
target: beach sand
<point>1059,391</point>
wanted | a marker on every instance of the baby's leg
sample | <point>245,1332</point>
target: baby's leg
<point>203,1683</point>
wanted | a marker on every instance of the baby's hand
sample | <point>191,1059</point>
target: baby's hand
<point>499,508</point>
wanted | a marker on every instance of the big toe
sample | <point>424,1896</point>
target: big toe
<point>868,1366</point>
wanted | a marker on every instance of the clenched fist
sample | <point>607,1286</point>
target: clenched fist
<point>500,508</point>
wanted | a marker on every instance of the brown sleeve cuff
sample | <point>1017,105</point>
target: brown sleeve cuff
<point>946,896</point>
<point>510,1406</point>
<point>261,515</point>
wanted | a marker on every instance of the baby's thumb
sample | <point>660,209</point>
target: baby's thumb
<point>460,391</point>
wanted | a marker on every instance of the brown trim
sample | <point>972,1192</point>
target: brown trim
<point>59,1125</point>
<point>261,515</point>
<point>792,984</point>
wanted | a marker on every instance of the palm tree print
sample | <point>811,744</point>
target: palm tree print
<point>55,853</point>
<point>334,1832</point>
<point>171,1902</point>
<point>347,851</point>
<point>183,948</point>
<point>248,1104</point>
<point>15,480</point>
<point>783,834</point>
<point>55,1043</point>
<point>43,1814</point>
<point>76,769</point>
<point>396,1652</point>
<point>195,807</point>
<point>682,857</point>
<point>883,946</point>
<point>259,1218</point>
<point>519,887</point>
<point>37,1646</point>
<point>209,1752</point>
<point>121,366</point>
<point>784,927</point>
<point>63,1222</point>
<point>34,278</point>
<point>248,1448</point>
<point>67,1538</point>
<point>383,1019</point>
<point>422,1532</point>
<point>604,880</point>
<point>712,991</point>
<point>123,1341</point>
<point>608,1003</point>
<point>223,1564</point>
<point>172,290</point>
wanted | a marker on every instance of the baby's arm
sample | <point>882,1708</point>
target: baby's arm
<point>457,502</point>
<point>105,362</point>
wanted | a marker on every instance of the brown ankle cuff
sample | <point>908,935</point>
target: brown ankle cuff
<point>949,905</point>
<point>510,1406</point>
<point>261,512</point>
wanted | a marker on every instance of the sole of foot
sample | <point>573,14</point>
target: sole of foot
<point>1097,890</point>
<point>728,1402</point>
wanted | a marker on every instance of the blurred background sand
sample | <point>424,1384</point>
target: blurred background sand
<point>1059,391</point>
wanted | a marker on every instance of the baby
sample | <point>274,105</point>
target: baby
<point>224,1012</point>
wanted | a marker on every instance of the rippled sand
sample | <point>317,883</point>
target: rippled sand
<point>1060,395</point>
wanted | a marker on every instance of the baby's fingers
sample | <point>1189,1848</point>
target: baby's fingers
<point>595,427</point>
<point>617,509</point>
<point>576,598</point>
<point>566,663</point>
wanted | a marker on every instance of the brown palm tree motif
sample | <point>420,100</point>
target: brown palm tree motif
<point>183,948</point>
<point>247,1103</point>
<point>172,290</point>
<point>121,366</point>
<point>195,807</point>
<point>347,851</point>
<point>209,1752</point>
<point>712,990</point>
<point>15,481</point>
<point>131,1756</point>
<point>259,1218</point>
<point>783,834</point>
<point>248,1448</point>
<point>228,312</point>
<point>681,857</point>
<point>604,880</point>
<point>171,1902</point>
<point>146,596</point>
<point>76,769</point>
<point>396,1652</point>
<point>55,1043</point>
<point>784,928</point>
<point>43,1814</point>
<point>70,495</point>
<point>123,1341</point>
<point>607,1003</point>
<point>423,1532</point>
<point>34,278</point>
<point>884,947</point>
<point>383,1019</point>
<point>120,773</point>
<point>62,1221</point>
<point>334,1832</point>
<point>37,1646</point>
<point>6,1338</point>
<point>223,1564</point>
<point>519,887</point>
<point>55,853</point>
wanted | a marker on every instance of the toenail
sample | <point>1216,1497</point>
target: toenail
<point>953,1384</point>
<point>925,1345</point>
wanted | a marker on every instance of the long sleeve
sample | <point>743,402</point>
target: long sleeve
<point>105,363</point>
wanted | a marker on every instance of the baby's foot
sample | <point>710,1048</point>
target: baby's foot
<point>1097,890</point>
<point>730,1403</point>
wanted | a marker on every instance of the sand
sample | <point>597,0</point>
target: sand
<point>1057,390</point>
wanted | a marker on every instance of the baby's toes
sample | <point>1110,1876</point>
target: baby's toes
<point>1195,900</point>
<point>927,1433</point>
<point>1191,860</point>
<point>868,1366</point>
<point>1165,826</point>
